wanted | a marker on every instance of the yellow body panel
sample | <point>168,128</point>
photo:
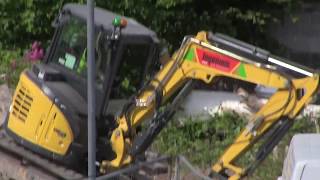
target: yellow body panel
<point>37,120</point>
<point>28,115</point>
<point>57,134</point>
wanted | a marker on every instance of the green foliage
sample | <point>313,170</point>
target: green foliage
<point>33,22</point>
<point>202,142</point>
<point>11,65</point>
<point>171,19</point>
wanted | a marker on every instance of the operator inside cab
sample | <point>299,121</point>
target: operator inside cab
<point>72,50</point>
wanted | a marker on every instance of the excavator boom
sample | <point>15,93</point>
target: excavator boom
<point>204,58</point>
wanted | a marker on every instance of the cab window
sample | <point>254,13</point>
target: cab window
<point>71,46</point>
<point>130,75</point>
<point>71,50</point>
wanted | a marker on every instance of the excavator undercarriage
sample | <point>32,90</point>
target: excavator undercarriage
<point>17,162</point>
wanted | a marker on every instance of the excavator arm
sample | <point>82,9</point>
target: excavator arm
<point>201,59</point>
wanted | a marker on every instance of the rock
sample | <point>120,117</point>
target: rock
<point>3,77</point>
<point>238,107</point>
<point>5,100</point>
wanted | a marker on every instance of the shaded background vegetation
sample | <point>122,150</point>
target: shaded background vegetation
<point>171,19</point>
<point>24,21</point>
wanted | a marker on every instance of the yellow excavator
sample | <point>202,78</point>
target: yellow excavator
<point>46,122</point>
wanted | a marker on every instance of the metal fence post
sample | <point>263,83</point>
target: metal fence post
<point>177,169</point>
<point>91,92</point>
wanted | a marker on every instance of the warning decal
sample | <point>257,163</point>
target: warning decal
<point>216,60</point>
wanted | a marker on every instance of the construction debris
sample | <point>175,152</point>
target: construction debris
<point>202,104</point>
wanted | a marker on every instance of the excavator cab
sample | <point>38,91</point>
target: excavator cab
<point>48,114</point>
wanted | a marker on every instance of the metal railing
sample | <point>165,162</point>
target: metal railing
<point>178,168</point>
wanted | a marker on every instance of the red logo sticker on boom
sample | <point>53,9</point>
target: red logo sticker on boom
<point>216,60</point>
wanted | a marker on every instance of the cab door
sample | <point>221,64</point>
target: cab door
<point>135,65</point>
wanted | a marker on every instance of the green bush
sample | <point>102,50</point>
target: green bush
<point>171,19</point>
<point>33,22</point>
<point>12,64</point>
<point>202,142</point>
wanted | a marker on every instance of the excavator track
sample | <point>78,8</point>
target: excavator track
<point>16,162</point>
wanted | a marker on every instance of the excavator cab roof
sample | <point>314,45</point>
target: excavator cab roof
<point>103,18</point>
